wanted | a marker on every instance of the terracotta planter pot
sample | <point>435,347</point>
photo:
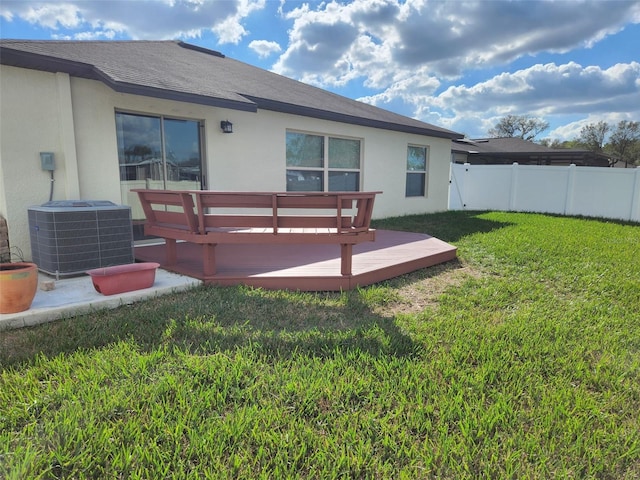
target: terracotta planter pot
<point>123,278</point>
<point>18,285</point>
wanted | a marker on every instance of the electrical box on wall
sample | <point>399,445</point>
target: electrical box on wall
<point>47,161</point>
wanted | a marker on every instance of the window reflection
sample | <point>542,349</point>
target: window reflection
<point>158,153</point>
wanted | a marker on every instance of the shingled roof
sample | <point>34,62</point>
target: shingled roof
<point>500,145</point>
<point>179,71</point>
<point>512,149</point>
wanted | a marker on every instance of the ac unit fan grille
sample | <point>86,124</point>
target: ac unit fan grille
<point>67,239</point>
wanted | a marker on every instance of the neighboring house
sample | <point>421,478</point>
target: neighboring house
<point>124,115</point>
<point>492,151</point>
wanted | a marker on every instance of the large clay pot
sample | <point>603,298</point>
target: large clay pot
<point>18,285</point>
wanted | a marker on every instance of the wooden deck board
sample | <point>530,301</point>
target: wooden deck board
<point>308,267</point>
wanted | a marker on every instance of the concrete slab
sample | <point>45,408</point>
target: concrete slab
<point>76,295</point>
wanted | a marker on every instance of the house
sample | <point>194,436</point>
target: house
<point>166,114</point>
<point>507,150</point>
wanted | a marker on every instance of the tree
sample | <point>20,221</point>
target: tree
<point>624,142</point>
<point>592,136</point>
<point>137,153</point>
<point>521,126</point>
<point>547,142</point>
<point>555,143</point>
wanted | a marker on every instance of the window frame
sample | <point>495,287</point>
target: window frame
<point>325,168</point>
<point>424,173</point>
<point>162,119</point>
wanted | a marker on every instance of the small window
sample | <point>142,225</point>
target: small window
<point>318,163</point>
<point>416,171</point>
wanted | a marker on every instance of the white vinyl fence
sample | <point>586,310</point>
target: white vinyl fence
<point>589,191</point>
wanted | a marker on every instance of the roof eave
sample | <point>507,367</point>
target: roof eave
<point>133,89</point>
<point>283,107</point>
<point>551,153</point>
<point>45,63</point>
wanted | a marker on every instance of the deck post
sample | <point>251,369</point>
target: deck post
<point>346,250</point>
<point>170,246</point>
<point>209,259</point>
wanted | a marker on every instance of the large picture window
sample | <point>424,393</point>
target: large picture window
<point>417,163</point>
<point>318,163</point>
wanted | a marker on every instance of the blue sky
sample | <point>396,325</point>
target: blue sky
<point>459,64</point>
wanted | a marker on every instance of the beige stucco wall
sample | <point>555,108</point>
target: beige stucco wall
<point>261,165</point>
<point>75,119</point>
<point>34,117</point>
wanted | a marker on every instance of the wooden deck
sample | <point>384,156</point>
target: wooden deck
<point>308,267</point>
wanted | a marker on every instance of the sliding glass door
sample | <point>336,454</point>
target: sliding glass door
<point>157,152</point>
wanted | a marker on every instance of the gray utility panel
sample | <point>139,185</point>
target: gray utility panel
<point>71,236</point>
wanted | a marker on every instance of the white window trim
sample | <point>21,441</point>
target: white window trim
<point>424,172</point>
<point>325,161</point>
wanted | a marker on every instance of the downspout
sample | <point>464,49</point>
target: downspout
<point>67,138</point>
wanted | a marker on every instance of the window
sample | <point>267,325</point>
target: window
<point>157,152</point>
<point>163,151</point>
<point>317,163</point>
<point>416,171</point>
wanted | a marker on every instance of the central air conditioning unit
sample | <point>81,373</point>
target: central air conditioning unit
<point>70,237</point>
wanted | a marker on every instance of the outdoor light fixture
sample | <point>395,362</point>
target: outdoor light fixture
<point>226,126</point>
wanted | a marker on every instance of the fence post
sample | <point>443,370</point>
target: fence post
<point>571,180</point>
<point>513,192</point>
<point>634,214</point>
<point>465,186</point>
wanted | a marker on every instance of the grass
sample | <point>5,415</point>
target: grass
<point>520,360</point>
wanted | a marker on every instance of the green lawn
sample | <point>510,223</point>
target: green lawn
<point>520,360</point>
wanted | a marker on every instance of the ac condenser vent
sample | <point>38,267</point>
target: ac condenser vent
<point>72,236</point>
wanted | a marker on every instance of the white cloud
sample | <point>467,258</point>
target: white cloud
<point>327,44</point>
<point>140,19</point>
<point>338,43</point>
<point>407,50</point>
<point>264,48</point>
<point>547,91</point>
<point>95,35</point>
<point>571,130</point>
<point>231,30</point>
<point>52,15</point>
<point>411,89</point>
